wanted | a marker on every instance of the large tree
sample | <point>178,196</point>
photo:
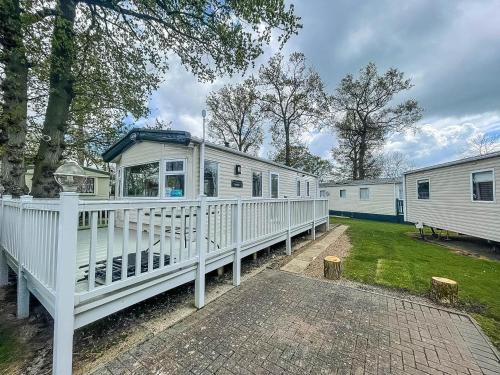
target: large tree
<point>347,152</point>
<point>483,143</point>
<point>395,164</point>
<point>301,158</point>
<point>366,115</point>
<point>211,37</point>
<point>294,99</point>
<point>14,104</point>
<point>235,118</point>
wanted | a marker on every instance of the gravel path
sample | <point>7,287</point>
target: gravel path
<point>339,248</point>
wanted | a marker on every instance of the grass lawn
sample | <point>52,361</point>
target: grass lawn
<point>384,254</point>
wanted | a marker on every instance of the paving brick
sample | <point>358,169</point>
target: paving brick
<point>277,323</point>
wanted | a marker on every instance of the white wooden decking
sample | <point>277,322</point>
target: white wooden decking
<point>80,276</point>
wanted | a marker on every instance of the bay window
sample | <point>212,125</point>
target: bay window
<point>141,180</point>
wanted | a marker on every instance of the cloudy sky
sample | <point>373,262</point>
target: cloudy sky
<point>450,49</point>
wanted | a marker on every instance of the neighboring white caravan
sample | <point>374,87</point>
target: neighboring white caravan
<point>459,196</point>
<point>375,199</point>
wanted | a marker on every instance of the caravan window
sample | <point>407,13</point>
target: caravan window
<point>483,187</point>
<point>423,189</point>
<point>275,185</point>
<point>364,194</point>
<point>211,178</point>
<point>141,180</point>
<point>298,187</point>
<point>343,193</point>
<point>308,192</point>
<point>256,184</point>
<point>175,178</point>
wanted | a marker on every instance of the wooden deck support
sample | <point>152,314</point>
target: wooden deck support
<point>4,269</point>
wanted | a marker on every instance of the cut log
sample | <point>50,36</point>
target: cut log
<point>444,290</point>
<point>333,267</point>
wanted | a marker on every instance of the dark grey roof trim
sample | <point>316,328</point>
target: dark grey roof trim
<point>140,134</point>
<point>375,181</point>
<point>456,162</point>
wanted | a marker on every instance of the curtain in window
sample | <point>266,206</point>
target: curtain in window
<point>274,186</point>
<point>256,184</point>
<point>482,185</point>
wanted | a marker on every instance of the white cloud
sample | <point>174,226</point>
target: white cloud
<point>442,139</point>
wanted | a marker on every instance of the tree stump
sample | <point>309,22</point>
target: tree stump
<point>333,267</point>
<point>444,290</point>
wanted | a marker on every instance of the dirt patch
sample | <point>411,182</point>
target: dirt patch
<point>339,248</point>
<point>464,245</point>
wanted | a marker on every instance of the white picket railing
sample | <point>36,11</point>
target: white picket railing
<point>87,259</point>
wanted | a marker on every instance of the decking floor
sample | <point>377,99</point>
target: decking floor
<point>179,253</point>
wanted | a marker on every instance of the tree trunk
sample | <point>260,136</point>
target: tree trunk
<point>15,99</point>
<point>333,267</point>
<point>444,290</point>
<point>287,145</point>
<point>61,94</point>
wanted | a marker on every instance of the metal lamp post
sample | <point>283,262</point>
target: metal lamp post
<point>202,155</point>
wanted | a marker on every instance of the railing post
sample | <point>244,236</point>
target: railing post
<point>23,294</point>
<point>237,224</point>
<point>289,231</point>
<point>4,268</point>
<point>65,284</point>
<point>313,230</point>
<point>199,284</point>
<point>327,209</point>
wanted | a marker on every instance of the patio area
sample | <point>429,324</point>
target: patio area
<point>304,325</point>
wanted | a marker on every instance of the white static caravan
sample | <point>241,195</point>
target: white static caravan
<point>374,199</point>
<point>166,164</point>
<point>459,196</point>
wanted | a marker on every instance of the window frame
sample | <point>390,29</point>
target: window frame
<point>271,185</point>
<point>369,194</point>
<point>416,185</point>
<point>160,180</point>
<point>308,188</point>
<point>492,170</point>
<point>340,193</point>
<point>298,188</point>
<point>166,173</point>
<point>261,184</point>
<point>218,177</point>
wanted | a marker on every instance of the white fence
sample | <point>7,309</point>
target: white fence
<point>85,260</point>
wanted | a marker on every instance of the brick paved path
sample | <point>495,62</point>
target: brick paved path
<point>279,323</point>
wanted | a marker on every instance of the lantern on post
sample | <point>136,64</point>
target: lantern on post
<point>70,176</point>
